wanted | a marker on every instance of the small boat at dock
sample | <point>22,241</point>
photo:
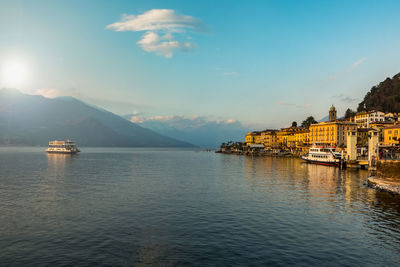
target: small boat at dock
<point>62,147</point>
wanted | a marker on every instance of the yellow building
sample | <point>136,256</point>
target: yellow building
<point>379,126</point>
<point>391,135</point>
<point>286,137</point>
<point>291,142</point>
<point>332,133</point>
<point>279,139</point>
<point>249,139</point>
<point>302,139</point>
<point>257,138</point>
<point>253,138</point>
<point>269,139</point>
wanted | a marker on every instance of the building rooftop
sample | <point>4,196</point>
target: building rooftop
<point>333,122</point>
<point>365,129</point>
<point>392,127</point>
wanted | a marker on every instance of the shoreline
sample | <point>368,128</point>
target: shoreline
<point>385,185</point>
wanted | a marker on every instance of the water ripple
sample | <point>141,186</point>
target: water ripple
<point>139,207</point>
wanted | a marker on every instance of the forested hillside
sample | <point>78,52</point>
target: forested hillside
<point>384,96</point>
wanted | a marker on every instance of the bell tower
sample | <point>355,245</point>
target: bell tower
<point>332,113</point>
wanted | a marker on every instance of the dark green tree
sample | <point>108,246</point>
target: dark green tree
<point>349,113</point>
<point>294,124</point>
<point>307,122</point>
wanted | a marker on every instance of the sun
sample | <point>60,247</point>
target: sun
<point>14,73</point>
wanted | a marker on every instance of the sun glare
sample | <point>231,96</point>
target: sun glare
<point>14,73</point>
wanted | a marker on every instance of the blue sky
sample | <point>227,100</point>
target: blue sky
<point>264,63</point>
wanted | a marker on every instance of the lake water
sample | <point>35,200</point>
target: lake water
<point>179,207</point>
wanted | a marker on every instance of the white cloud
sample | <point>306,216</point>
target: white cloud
<point>157,19</point>
<point>228,121</point>
<point>136,119</point>
<point>181,121</point>
<point>357,63</point>
<point>52,92</point>
<point>306,106</point>
<point>350,69</point>
<point>152,42</point>
<point>163,118</point>
<point>159,24</point>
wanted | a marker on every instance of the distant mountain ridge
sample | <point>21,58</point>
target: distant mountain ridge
<point>35,120</point>
<point>383,97</point>
<point>326,118</point>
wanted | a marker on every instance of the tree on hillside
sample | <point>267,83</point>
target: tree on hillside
<point>349,113</point>
<point>294,124</point>
<point>383,97</point>
<point>307,122</point>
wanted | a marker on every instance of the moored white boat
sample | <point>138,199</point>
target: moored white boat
<point>323,155</point>
<point>62,147</point>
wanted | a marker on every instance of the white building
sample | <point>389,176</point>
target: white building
<point>365,118</point>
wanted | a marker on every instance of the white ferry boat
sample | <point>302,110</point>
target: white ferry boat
<point>63,147</point>
<point>320,154</point>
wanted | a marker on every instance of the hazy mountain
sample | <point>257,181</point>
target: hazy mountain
<point>326,118</point>
<point>196,130</point>
<point>34,120</point>
<point>383,97</point>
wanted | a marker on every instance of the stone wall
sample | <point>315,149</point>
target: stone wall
<point>388,169</point>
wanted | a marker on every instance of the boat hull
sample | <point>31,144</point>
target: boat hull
<point>325,163</point>
<point>62,152</point>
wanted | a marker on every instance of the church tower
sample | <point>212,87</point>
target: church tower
<point>332,113</point>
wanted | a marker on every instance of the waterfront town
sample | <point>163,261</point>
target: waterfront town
<point>334,132</point>
<point>367,139</point>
